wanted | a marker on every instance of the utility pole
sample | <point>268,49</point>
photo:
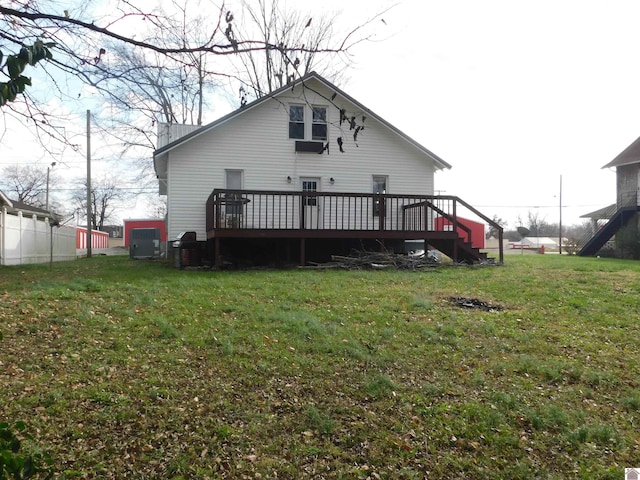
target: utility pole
<point>53,164</point>
<point>560,224</point>
<point>88,183</point>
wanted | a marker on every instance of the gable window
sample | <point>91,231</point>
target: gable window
<point>379,187</point>
<point>296,121</point>
<point>319,125</point>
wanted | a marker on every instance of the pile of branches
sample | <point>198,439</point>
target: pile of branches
<point>362,260</point>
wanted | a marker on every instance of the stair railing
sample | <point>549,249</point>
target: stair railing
<point>629,200</point>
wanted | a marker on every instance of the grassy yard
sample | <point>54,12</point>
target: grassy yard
<point>131,369</point>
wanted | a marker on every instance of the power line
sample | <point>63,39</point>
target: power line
<point>540,206</point>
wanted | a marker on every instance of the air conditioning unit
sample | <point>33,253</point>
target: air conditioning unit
<point>144,243</point>
<point>308,147</point>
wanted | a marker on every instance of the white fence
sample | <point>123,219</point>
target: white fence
<point>29,240</point>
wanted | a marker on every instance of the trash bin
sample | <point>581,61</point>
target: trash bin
<point>185,250</point>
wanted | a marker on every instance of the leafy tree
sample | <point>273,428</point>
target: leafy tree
<point>15,463</point>
<point>15,65</point>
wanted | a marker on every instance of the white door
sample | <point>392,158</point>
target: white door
<point>234,205</point>
<point>311,204</point>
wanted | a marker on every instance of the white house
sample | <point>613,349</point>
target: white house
<point>309,153</point>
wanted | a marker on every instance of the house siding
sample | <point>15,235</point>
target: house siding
<point>628,183</point>
<point>257,143</point>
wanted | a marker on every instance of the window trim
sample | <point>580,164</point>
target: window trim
<point>310,122</point>
<point>315,122</point>
<point>297,123</point>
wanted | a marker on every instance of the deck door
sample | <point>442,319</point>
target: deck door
<point>233,203</point>
<point>311,205</point>
<point>380,183</point>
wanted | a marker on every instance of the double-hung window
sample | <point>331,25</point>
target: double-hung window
<point>319,125</point>
<point>296,121</point>
<point>299,126</point>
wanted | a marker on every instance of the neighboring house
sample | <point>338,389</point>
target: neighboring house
<point>625,211</point>
<point>302,173</point>
<point>116,235</point>
<point>30,234</point>
<point>598,218</point>
<point>114,231</point>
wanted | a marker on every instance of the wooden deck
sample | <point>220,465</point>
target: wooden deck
<point>245,214</point>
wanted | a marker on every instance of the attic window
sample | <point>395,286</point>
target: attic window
<point>296,121</point>
<point>319,126</point>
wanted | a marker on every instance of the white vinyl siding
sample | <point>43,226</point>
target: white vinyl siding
<point>257,142</point>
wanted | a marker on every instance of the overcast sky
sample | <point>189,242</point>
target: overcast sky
<point>512,94</point>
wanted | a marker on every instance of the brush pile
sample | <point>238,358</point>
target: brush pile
<point>358,260</point>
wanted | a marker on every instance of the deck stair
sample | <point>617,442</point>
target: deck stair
<point>459,250</point>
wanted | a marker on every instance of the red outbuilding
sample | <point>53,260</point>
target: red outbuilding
<point>98,239</point>
<point>144,223</point>
<point>477,229</point>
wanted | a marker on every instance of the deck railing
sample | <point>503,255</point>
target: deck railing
<point>356,212</point>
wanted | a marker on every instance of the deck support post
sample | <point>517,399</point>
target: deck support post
<point>218,256</point>
<point>303,259</point>
<point>455,229</point>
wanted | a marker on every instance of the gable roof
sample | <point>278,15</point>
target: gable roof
<point>159,153</point>
<point>4,200</point>
<point>629,156</point>
<point>604,213</point>
<point>15,206</point>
